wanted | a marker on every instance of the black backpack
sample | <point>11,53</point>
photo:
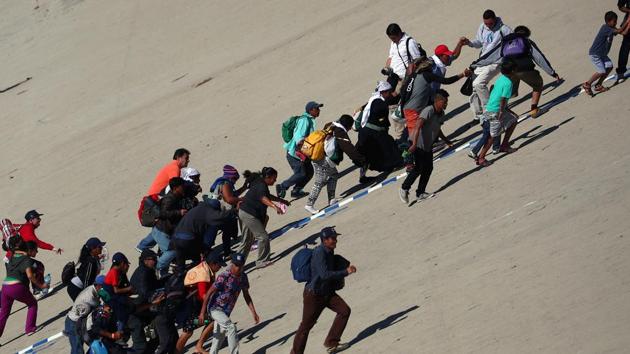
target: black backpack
<point>68,272</point>
<point>423,53</point>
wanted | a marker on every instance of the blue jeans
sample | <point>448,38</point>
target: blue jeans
<point>496,143</point>
<point>163,241</point>
<point>70,330</point>
<point>302,173</point>
<point>147,242</point>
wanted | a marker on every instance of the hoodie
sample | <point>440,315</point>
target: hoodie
<point>487,39</point>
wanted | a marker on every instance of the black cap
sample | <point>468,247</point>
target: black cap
<point>148,254</point>
<point>238,259</point>
<point>94,242</point>
<point>119,257</point>
<point>215,258</point>
<point>328,232</point>
<point>32,214</point>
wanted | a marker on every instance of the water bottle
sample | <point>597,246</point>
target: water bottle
<point>196,322</point>
<point>47,280</point>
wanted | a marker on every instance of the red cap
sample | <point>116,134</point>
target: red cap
<point>442,50</point>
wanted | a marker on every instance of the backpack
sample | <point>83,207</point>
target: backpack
<point>9,230</point>
<point>515,47</point>
<point>68,272</point>
<point>149,210</point>
<point>288,127</point>
<point>313,146</point>
<point>423,53</point>
<point>301,265</point>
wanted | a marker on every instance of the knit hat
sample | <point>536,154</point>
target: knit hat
<point>230,172</point>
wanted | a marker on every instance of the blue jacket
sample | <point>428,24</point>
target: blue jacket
<point>323,273</point>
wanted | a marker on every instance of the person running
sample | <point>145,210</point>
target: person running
<point>88,299</point>
<point>27,232</point>
<point>599,52</point>
<point>118,286</point>
<point>192,238</point>
<point>219,302</point>
<point>326,173</point>
<point>171,212</point>
<point>89,267</point>
<point>624,50</point>
<point>320,293</point>
<point>427,128</point>
<point>16,286</point>
<point>301,166</point>
<point>181,158</point>
<point>526,55</point>
<point>489,35</point>
<point>498,117</point>
<point>253,215</point>
<point>199,280</point>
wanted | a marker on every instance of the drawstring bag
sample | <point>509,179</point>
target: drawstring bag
<point>467,87</point>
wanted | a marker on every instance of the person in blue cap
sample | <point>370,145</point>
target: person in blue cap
<point>89,266</point>
<point>85,303</point>
<point>301,166</point>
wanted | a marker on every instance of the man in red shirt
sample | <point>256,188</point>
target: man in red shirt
<point>181,157</point>
<point>27,231</point>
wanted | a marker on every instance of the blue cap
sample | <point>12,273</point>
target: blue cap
<point>100,280</point>
<point>238,259</point>
<point>32,214</point>
<point>94,242</point>
<point>119,257</point>
<point>312,105</point>
<point>328,232</point>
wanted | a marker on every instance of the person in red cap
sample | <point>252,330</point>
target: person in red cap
<point>27,232</point>
<point>442,58</point>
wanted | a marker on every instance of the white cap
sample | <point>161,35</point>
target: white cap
<point>188,172</point>
<point>383,86</point>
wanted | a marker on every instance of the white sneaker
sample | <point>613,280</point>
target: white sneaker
<point>334,201</point>
<point>472,154</point>
<point>425,196</point>
<point>404,195</point>
<point>310,209</point>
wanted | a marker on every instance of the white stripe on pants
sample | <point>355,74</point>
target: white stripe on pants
<point>481,93</point>
<point>223,326</point>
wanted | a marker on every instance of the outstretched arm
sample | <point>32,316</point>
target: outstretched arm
<point>250,304</point>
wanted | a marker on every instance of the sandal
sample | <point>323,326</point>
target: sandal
<point>483,162</point>
<point>601,88</point>
<point>587,88</point>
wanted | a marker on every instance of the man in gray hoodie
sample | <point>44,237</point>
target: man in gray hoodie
<point>489,35</point>
<point>525,54</point>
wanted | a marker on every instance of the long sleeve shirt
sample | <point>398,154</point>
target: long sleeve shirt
<point>322,271</point>
<point>523,64</point>
<point>487,38</point>
<point>303,127</point>
<point>27,231</point>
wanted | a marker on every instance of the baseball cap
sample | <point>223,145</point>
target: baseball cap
<point>100,280</point>
<point>328,232</point>
<point>312,105</point>
<point>94,242</point>
<point>119,257</point>
<point>148,254</point>
<point>442,49</point>
<point>32,214</point>
<point>238,259</point>
<point>215,258</point>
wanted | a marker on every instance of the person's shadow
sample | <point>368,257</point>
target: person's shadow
<point>381,325</point>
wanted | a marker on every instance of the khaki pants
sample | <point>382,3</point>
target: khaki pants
<point>481,93</point>
<point>254,229</point>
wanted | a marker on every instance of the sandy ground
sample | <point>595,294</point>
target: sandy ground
<point>530,255</point>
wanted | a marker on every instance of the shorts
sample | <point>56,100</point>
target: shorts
<point>602,64</point>
<point>531,78</point>
<point>498,127</point>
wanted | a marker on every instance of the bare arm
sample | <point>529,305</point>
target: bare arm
<point>250,304</point>
<point>446,140</point>
<point>206,298</point>
<point>228,196</point>
<point>31,276</point>
<point>416,133</point>
<point>458,48</point>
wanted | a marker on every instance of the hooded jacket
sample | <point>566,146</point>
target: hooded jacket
<point>487,38</point>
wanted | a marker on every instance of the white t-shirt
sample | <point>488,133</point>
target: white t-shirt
<point>399,57</point>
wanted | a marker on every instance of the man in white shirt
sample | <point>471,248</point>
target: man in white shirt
<point>489,35</point>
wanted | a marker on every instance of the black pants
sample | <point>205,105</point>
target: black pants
<point>136,325</point>
<point>423,168</point>
<point>167,333</point>
<point>623,55</point>
<point>185,250</point>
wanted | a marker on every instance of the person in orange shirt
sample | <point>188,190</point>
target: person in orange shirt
<point>181,157</point>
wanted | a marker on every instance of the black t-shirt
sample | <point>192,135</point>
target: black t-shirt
<point>252,203</point>
<point>16,268</point>
<point>624,3</point>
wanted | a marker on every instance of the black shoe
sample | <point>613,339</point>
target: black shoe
<point>298,194</point>
<point>280,192</point>
<point>366,180</point>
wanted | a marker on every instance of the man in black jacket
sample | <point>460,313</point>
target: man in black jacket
<point>145,282</point>
<point>171,212</point>
<point>319,293</point>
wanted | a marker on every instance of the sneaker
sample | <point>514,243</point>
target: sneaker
<point>424,196</point>
<point>366,180</point>
<point>298,194</point>
<point>404,195</point>
<point>338,348</point>
<point>280,192</point>
<point>495,152</point>
<point>334,201</point>
<point>310,209</point>
<point>472,154</point>
<point>263,264</point>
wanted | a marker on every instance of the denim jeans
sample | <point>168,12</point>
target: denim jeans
<point>302,173</point>
<point>76,343</point>
<point>163,241</point>
<point>223,326</point>
<point>496,143</point>
<point>147,242</point>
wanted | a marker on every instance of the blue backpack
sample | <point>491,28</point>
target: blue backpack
<point>97,347</point>
<point>301,265</point>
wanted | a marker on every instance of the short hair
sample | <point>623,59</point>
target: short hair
<point>489,14</point>
<point>523,30</point>
<point>610,15</point>
<point>31,245</point>
<point>393,30</point>
<point>180,152</point>
<point>268,172</point>
<point>176,182</point>
<point>507,67</point>
<point>346,120</point>
<point>441,94</point>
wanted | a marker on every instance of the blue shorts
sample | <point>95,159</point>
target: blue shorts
<point>602,64</point>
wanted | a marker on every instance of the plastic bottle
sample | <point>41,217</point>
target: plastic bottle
<point>196,322</point>
<point>47,280</point>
